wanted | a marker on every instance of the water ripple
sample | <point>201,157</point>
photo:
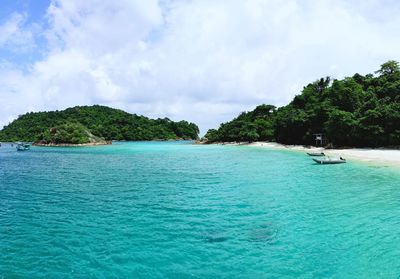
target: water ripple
<point>176,210</point>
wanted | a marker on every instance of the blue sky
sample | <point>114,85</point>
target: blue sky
<point>34,14</point>
<point>200,60</point>
<point>35,8</point>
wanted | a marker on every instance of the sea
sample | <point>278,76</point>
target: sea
<point>180,210</point>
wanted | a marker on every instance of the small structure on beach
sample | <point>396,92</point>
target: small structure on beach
<point>320,139</point>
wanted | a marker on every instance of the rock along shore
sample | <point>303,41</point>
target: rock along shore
<point>71,144</point>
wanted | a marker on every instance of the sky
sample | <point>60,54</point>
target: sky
<point>204,61</point>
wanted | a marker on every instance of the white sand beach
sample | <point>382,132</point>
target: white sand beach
<point>374,156</point>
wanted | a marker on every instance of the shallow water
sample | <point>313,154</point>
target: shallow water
<point>178,210</point>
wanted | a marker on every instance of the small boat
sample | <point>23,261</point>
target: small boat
<point>328,160</point>
<point>316,154</point>
<point>23,146</point>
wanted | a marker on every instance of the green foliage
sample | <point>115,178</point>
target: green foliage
<point>101,121</point>
<point>73,133</point>
<point>344,122</point>
<point>356,111</point>
<point>248,126</point>
<point>389,68</point>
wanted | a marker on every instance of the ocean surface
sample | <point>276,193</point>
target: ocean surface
<point>179,210</point>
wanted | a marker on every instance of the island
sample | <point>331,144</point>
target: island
<point>93,125</point>
<point>357,111</point>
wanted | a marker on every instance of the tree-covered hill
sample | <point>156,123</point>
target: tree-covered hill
<point>357,111</point>
<point>101,121</point>
<point>69,133</point>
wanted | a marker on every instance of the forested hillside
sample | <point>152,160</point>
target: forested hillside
<point>359,111</point>
<point>101,121</point>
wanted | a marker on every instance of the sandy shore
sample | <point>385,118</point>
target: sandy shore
<point>372,156</point>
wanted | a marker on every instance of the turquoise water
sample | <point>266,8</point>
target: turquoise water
<point>178,210</point>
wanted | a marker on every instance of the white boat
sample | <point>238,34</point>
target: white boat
<point>328,160</point>
<point>316,154</point>
<point>23,146</point>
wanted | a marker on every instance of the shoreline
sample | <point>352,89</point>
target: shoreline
<point>103,143</point>
<point>71,144</point>
<point>374,156</point>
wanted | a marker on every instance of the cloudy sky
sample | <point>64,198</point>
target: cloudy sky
<point>200,60</point>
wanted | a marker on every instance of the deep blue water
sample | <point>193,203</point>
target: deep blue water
<point>178,210</point>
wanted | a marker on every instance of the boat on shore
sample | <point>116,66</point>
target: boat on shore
<point>328,160</point>
<point>316,154</point>
<point>23,146</point>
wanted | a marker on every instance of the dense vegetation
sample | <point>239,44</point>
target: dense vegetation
<point>356,111</point>
<point>73,124</point>
<point>74,133</point>
<point>69,133</point>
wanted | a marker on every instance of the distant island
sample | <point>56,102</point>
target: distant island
<point>93,125</point>
<point>357,111</point>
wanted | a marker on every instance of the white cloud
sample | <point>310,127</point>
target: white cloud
<point>14,35</point>
<point>200,60</point>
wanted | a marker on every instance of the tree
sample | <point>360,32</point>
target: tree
<point>389,68</point>
<point>346,94</point>
<point>340,128</point>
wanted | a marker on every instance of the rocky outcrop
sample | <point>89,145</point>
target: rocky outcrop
<point>71,144</point>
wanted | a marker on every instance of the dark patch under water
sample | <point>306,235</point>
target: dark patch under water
<point>265,233</point>
<point>216,239</point>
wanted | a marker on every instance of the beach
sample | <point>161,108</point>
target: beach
<point>378,156</point>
